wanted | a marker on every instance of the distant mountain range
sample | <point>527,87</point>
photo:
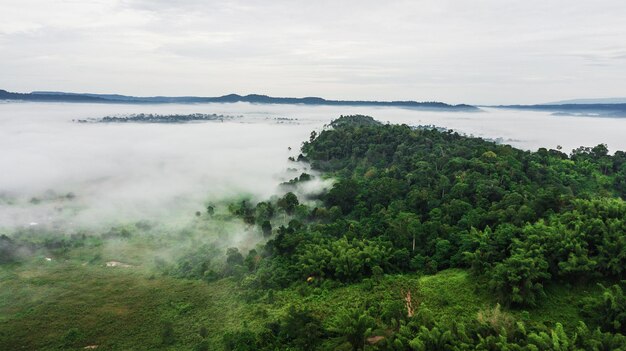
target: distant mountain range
<point>589,101</point>
<point>53,96</point>
<point>612,110</point>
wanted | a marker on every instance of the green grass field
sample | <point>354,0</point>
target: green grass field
<point>71,305</point>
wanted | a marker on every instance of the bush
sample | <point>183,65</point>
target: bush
<point>518,280</point>
<point>608,310</point>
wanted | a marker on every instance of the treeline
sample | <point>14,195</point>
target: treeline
<point>156,118</point>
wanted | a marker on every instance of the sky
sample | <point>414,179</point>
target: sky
<point>456,51</point>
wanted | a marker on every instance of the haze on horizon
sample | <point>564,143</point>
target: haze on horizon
<point>486,52</point>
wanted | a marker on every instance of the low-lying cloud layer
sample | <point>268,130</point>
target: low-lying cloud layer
<point>57,173</point>
<point>103,173</point>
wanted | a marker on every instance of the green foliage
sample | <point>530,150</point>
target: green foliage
<point>203,332</point>
<point>300,330</point>
<point>210,209</point>
<point>8,250</point>
<point>71,337</point>
<point>342,259</point>
<point>434,199</point>
<point>201,346</point>
<point>353,325</point>
<point>167,333</point>
<point>519,278</point>
<point>608,309</point>
<point>266,227</point>
<point>198,263</point>
<point>122,310</point>
<point>288,203</point>
<point>244,340</point>
<point>425,199</point>
<point>353,120</point>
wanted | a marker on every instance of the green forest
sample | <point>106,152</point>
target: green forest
<point>426,240</point>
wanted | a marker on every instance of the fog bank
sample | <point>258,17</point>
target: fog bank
<point>72,175</point>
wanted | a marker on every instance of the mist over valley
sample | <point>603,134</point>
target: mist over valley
<point>123,173</point>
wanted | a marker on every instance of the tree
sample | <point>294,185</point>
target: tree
<point>266,227</point>
<point>404,230</point>
<point>609,309</point>
<point>288,202</point>
<point>233,256</point>
<point>244,340</point>
<point>234,262</point>
<point>300,329</point>
<point>353,324</point>
<point>343,194</point>
<point>519,279</point>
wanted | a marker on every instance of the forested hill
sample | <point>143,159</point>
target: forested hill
<point>231,98</point>
<point>434,200</point>
<point>421,200</point>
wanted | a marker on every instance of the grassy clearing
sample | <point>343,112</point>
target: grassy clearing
<point>66,305</point>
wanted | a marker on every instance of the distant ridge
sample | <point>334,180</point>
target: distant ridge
<point>621,100</point>
<point>5,95</point>
<point>576,110</point>
<point>231,98</point>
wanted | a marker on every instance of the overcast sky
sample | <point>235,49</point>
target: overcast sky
<point>479,51</point>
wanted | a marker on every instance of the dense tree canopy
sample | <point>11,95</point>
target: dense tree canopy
<point>409,199</point>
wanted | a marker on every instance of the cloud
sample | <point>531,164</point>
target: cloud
<point>349,49</point>
<point>131,172</point>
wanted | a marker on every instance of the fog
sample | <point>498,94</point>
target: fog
<point>57,173</point>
